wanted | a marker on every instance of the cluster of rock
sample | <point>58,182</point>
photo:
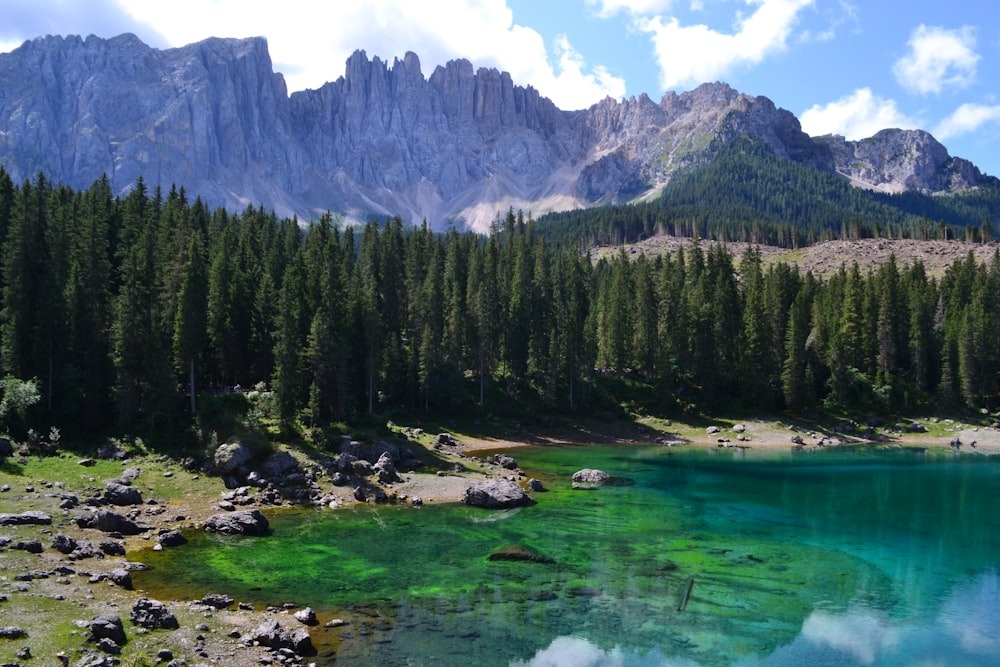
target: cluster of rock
<point>369,467</point>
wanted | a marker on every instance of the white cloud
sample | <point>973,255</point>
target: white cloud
<point>938,58</point>
<point>690,55</point>
<point>606,8</point>
<point>856,116</point>
<point>309,42</point>
<point>965,119</point>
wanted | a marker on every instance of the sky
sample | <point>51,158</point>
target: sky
<point>849,67</point>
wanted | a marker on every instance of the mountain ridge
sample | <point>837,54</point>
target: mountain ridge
<point>454,147</point>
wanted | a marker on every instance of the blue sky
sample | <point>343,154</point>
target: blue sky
<point>850,67</point>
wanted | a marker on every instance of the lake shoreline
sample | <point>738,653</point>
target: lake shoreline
<point>52,607</point>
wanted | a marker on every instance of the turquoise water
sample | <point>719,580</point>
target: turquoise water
<point>839,558</point>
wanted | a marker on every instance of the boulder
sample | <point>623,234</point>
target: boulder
<point>153,615</point>
<point>32,546</point>
<point>116,493</point>
<point>26,518</point>
<point>217,600</point>
<point>11,632</point>
<point>535,485</point>
<point>121,578</point>
<point>385,469</point>
<point>362,468</point>
<point>279,466</point>
<point>110,522</point>
<point>108,626</point>
<point>496,494</point>
<point>306,616</point>
<point>245,522</point>
<point>171,538</point>
<point>109,646</point>
<point>302,642</point>
<point>232,457</point>
<point>112,548</point>
<point>370,452</point>
<point>64,544</point>
<point>508,462</point>
<point>6,448</point>
<point>271,634</point>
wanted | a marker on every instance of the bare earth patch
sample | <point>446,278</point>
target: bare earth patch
<point>827,257</point>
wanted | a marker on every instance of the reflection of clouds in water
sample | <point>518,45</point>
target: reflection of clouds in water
<point>971,614</point>
<point>578,652</point>
<point>860,633</point>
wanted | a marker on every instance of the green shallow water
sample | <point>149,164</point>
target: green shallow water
<point>841,558</point>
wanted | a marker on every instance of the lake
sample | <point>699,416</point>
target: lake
<point>696,557</point>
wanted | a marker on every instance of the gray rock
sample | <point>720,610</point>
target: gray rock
<point>112,548</point>
<point>279,466</point>
<point>591,476</point>
<point>153,614</point>
<point>26,518</point>
<point>116,493</point>
<point>496,494</point>
<point>217,600</point>
<point>362,468</point>
<point>110,522</point>
<point>232,457</point>
<point>64,544</point>
<point>108,626</point>
<point>306,616</point>
<point>32,545</point>
<point>6,448</point>
<point>244,522</point>
<point>535,485</point>
<point>508,462</point>
<point>12,632</point>
<point>108,646</point>
<point>121,578</point>
<point>171,538</point>
<point>385,469</point>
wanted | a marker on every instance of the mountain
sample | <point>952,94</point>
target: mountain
<point>455,147</point>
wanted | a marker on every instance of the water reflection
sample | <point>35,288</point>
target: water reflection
<point>862,634</point>
<point>805,561</point>
<point>571,651</point>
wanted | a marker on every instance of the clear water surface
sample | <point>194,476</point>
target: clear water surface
<point>700,557</point>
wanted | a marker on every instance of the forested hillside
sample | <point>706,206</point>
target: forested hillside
<point>119,306</point>
<point>749,194</point>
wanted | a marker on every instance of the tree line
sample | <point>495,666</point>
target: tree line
<point>128,310</point>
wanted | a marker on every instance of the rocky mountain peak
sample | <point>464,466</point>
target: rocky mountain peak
<point>458,146</point>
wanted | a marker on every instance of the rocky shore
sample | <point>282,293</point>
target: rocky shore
<point>69,526</point>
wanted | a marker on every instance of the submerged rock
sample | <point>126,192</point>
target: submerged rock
<point>590,478</point>
<point>496,494</point>
<point>521,553</point>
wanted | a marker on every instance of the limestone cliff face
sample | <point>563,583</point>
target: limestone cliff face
<point>457,146</point>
